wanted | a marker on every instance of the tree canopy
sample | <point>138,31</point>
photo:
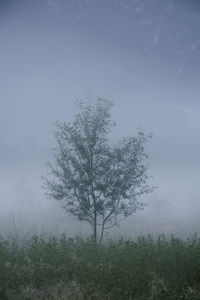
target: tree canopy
<point>100,183</point>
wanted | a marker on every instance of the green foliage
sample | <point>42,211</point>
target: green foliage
<point>99,183</point>
<point>60,268</point>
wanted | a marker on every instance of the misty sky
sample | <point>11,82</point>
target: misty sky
<point>144,55</point>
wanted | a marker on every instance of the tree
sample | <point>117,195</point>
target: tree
<point>100,183</point>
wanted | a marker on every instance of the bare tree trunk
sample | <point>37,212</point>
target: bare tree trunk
<point>95,228</point>
<point>102,232</point>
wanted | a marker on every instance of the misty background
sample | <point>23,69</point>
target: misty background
<point>144,55</point>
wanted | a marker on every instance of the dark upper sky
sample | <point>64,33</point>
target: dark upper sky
<point>144,55</point>
<point>167,29</point>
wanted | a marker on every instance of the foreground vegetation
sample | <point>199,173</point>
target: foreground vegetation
<point>61,268</point>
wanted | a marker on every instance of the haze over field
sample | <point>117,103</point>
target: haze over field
<point>144,55</point>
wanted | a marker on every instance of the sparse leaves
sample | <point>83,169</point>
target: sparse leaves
<point>100,183</point>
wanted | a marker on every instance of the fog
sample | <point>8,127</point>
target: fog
<point>142,55</point>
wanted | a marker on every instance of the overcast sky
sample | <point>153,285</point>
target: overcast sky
<point>144,55</point>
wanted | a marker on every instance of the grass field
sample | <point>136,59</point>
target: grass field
<point>61,268</point>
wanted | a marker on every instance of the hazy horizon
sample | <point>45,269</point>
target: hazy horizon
<point>142,55</point>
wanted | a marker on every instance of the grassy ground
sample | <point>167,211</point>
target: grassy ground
<point>60,268</point>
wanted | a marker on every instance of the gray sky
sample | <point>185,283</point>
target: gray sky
<point>143,55</point>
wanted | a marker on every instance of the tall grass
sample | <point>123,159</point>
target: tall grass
<point>61,268</point>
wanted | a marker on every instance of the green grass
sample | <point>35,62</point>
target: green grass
<point>60,268</point>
